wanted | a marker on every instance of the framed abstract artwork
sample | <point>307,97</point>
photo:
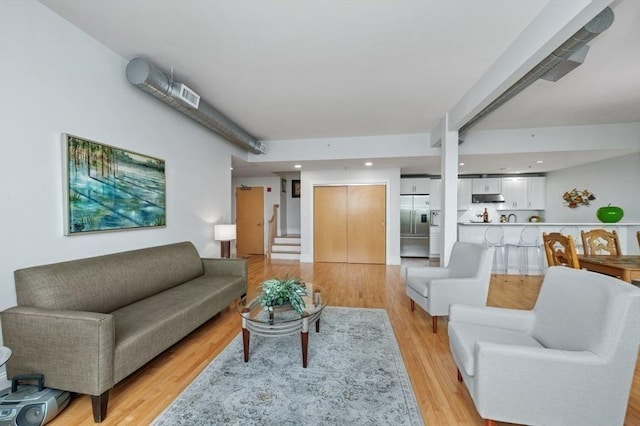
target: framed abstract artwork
<point>108,188</point>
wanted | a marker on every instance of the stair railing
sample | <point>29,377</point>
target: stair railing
<point>273,228</point>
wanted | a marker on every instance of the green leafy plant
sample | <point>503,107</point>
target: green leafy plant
<point>281,291</point>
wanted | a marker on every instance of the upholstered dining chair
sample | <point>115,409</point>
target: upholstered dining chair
<point>465,280</point>
<point>601,241</point>
<point>560,250</point>
<point>568,361</point>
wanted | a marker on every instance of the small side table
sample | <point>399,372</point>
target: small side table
<point>5,353</point>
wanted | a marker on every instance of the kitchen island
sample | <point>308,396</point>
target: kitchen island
<point>475,232</point>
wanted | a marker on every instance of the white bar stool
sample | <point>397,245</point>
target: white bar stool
<point>529,239</point>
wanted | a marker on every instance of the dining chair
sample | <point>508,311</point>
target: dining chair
<point>638,235</point>
<point>600,241</point>
<point>529,239</point>
<point>494,237</point>
<point>560,250</point>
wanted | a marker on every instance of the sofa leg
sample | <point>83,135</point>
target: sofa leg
<point>434,323</point>
<point>413,305</point>
<point>489,422</point>
<point>99,405</point>
<point>459,375</point>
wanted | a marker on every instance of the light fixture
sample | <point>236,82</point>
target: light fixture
<point>539,162</point>
<point>460,164</point>
<point>298,166</point>
<point>368,164</point>
<point>225,233</point>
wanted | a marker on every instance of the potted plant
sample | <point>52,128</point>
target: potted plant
<point>276,292</point>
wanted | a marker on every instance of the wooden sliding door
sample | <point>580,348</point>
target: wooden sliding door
<point>330,224</point>
<point>350,224</point>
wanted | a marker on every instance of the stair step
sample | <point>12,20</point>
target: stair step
<point>288,248</point>
<point>286,240</point>
<point>285,256</point>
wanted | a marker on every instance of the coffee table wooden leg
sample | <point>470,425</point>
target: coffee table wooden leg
<point>245,341</point>
<point>304,336</point>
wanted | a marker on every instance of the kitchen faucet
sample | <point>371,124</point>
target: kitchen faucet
<point>515,218</point>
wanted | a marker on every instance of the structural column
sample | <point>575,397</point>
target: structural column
<point>449,194</point>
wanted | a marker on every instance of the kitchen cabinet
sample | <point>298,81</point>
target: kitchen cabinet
<point>435,191</point>
<point>464,193</point>
<point>486,186</point>
<point>515,192</point>
<point>525,193</point>
<point>434,241</point>
<point>414,186</point>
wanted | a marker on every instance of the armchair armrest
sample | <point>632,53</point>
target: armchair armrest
<point>225,266</point>
<point>432,272</point>
<point>510,319</point>
<point>50,341</point>
<point>524,382</point>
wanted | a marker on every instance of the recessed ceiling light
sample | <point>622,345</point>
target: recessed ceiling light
<point>368,163</point>
<point>539,162</point>
<point>460,164</point>
<point>298,166</point>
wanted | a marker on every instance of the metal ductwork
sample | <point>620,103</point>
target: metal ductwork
<point>574,46</point>
<point>151,79</point>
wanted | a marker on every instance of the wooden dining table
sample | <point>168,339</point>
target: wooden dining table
<point>625,267</point>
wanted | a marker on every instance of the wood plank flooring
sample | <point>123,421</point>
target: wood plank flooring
<point>442,399</point>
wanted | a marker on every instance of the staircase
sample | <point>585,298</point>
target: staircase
<point>286,248</point>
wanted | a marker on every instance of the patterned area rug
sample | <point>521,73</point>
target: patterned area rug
<point>355,376</point>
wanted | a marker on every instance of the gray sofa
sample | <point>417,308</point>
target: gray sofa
<point>87,324</point>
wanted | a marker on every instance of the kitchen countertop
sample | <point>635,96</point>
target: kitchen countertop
<point>549,224</point>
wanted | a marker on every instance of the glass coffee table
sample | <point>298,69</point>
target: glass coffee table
<point>282,320</point>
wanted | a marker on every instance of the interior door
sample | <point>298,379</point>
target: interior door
<point>366,224</point>
<point>250,220</point>
<point>330,224</point>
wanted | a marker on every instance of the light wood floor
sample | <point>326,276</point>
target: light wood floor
<point>442,399</point>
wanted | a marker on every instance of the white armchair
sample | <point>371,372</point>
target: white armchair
<point>464,280</point>
<point>569,361</point>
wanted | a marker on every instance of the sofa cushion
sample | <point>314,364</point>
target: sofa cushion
<point>148,327</point>
<point>463,337</point>
<point>106,283</point>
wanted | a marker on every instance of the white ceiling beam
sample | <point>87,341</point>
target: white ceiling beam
<point>557,21</point>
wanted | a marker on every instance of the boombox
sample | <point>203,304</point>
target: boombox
<point>30,405</point>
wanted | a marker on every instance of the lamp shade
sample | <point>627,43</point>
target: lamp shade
<point>224,232</point>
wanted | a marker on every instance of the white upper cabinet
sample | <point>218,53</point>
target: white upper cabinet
<point>436,189</point>
<point>464,193</point>
<point>515,192</point>
<point>415,186</point>
<point>537,193</point>
<point>525,193</point>
<point>487,186</point>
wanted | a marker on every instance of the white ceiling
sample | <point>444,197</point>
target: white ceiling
<point>336,68</point>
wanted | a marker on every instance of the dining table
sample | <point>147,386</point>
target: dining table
<point>625,267</point>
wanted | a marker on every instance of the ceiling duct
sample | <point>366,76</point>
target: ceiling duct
<point>151,79</point>
<point>568,56</point>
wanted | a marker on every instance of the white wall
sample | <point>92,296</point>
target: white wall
<point>615,181</point>
<point>56,80</point>
<point>389,177</point>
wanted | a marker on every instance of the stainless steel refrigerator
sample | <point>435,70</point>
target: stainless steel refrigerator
<point>414,225</point>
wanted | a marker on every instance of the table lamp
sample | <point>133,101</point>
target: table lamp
<point>225,233</point>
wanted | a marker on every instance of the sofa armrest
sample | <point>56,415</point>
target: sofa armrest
<point>73,349</point>
<point>511,319</point>
<point>225,266</point>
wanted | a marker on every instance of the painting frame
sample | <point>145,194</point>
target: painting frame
<point>107,188</point>
<point>295,188</point>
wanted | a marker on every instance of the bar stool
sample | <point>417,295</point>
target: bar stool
<point>529,238</point>
<point>574,231</point>
<point>494,237</point>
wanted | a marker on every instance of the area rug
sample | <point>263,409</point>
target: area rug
<point>355,376</point>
